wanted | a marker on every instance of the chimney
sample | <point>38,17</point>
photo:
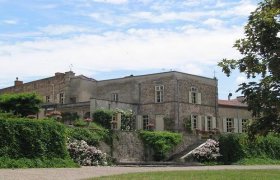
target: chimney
<point>58,74</point>
<point>69,74</point>
<point>17,82</point>
<point>229,95</point>
<point>240,98</point>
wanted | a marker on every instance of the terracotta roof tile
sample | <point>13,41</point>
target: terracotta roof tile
<point>233,102</point>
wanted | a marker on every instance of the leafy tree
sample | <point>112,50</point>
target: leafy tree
<point>22,104</point>
<point>261,58</point>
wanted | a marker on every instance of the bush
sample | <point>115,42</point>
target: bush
<point>92,135</point>
<point>86,155</point>
<point>231,148</point>
<point>26,138</point>
<point>7,162</point>
<point>103,117</point>
<point>208,152</point>
<point>160,141</point>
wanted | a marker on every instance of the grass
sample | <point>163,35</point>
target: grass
<point>209,175</point>
<point>6,162</point>
<point>258,161</point>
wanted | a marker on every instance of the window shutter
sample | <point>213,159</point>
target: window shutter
<point>198,98</point>
<point>199,124</point>
<point>190,97</point>
<point>225,124</point>
<point>139,122</point>
<point>192,122</point>
<point>205,123</point>
<point>119,120</point>
<point>235,125</point>
<point>240,125</point>
<point>57,98</point>
<point>214,125</point>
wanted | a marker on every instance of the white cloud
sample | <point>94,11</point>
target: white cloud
<point>137,49</point>
<point>241,79</point>
<point>214,23</point>
<point>111,1</point>
<point>10,21</point>
<point>62,29</point>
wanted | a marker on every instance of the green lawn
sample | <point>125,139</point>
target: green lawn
<point>204,175</point>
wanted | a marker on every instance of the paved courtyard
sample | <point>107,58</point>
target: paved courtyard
<point>87,172</point>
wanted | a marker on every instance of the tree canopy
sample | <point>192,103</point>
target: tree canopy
<point>22,104</point>
<point>260,50</point>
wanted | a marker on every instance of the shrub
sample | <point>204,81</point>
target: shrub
<point>231,148</point>
<point>22,104</point>
<point>160,141</point>
<point>27,138</point>
<point>103,117</point>
<point>92,135</point>
<point>86,155</point>
<point>207,152</point>
<point>7,162</point>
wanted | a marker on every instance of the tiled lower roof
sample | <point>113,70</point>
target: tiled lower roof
<point>233,103</point>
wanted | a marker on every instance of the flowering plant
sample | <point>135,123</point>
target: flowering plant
<point>86,155</point>
<point>209,151</point>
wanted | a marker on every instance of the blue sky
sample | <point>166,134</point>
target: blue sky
<point>106,39</point>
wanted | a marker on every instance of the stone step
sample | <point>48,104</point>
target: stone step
<point>158,164</point>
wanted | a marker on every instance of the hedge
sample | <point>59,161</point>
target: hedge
<point>161,142</point>
<point>235,147</point>
<point>26,138</point>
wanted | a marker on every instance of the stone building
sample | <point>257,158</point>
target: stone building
<point>154,98</point>
<point>233,115</point>
<point>63,91</point>
<point>163,101</point>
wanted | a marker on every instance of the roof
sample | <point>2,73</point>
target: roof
<point>231,103</point>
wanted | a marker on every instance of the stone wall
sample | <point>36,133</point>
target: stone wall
<point>128,147</point>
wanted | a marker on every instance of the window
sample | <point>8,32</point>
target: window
<point>48,99</point>
<point>229,122</point>
<point>61,98</point>
<point>115,97</point>
<point>159,93</point>
<point>114,123</point>
<point>73,100</point>
<point>209,123</point>
<point>145,122</point>
<point>244,123</point>
<point>193,95</point>
<point>194,121</point>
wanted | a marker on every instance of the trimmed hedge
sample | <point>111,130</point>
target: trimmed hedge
<point>26,138</point>
<point>161,142</point>
<point>235,147</point>
<point>103,117</point>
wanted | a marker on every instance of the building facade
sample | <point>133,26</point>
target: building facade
<point>167,101</point>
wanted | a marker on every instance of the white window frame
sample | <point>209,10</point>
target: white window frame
<point>115,97</point>
<point>243,125</point>
<point>194,121</point>
<point>159,89</point>
<point>61,98</point>
<point>48,99</point>
<point>209,123</point>
<point>145,122</point>
<point>229,124</point>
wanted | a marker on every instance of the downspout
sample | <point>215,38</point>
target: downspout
<point>178,105</point>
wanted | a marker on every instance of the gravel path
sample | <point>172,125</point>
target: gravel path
<point>87,172</point>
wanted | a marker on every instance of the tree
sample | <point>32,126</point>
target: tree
<point>260,50</point>
<point>22,104</point>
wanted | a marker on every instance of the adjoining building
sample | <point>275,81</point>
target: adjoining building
<point>233,115</point>
<point>154,98</point>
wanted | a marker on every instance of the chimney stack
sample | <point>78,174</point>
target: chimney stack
<point>229,95</point>
<point>17,82</point>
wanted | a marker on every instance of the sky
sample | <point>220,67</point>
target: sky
<point>105,39</point>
